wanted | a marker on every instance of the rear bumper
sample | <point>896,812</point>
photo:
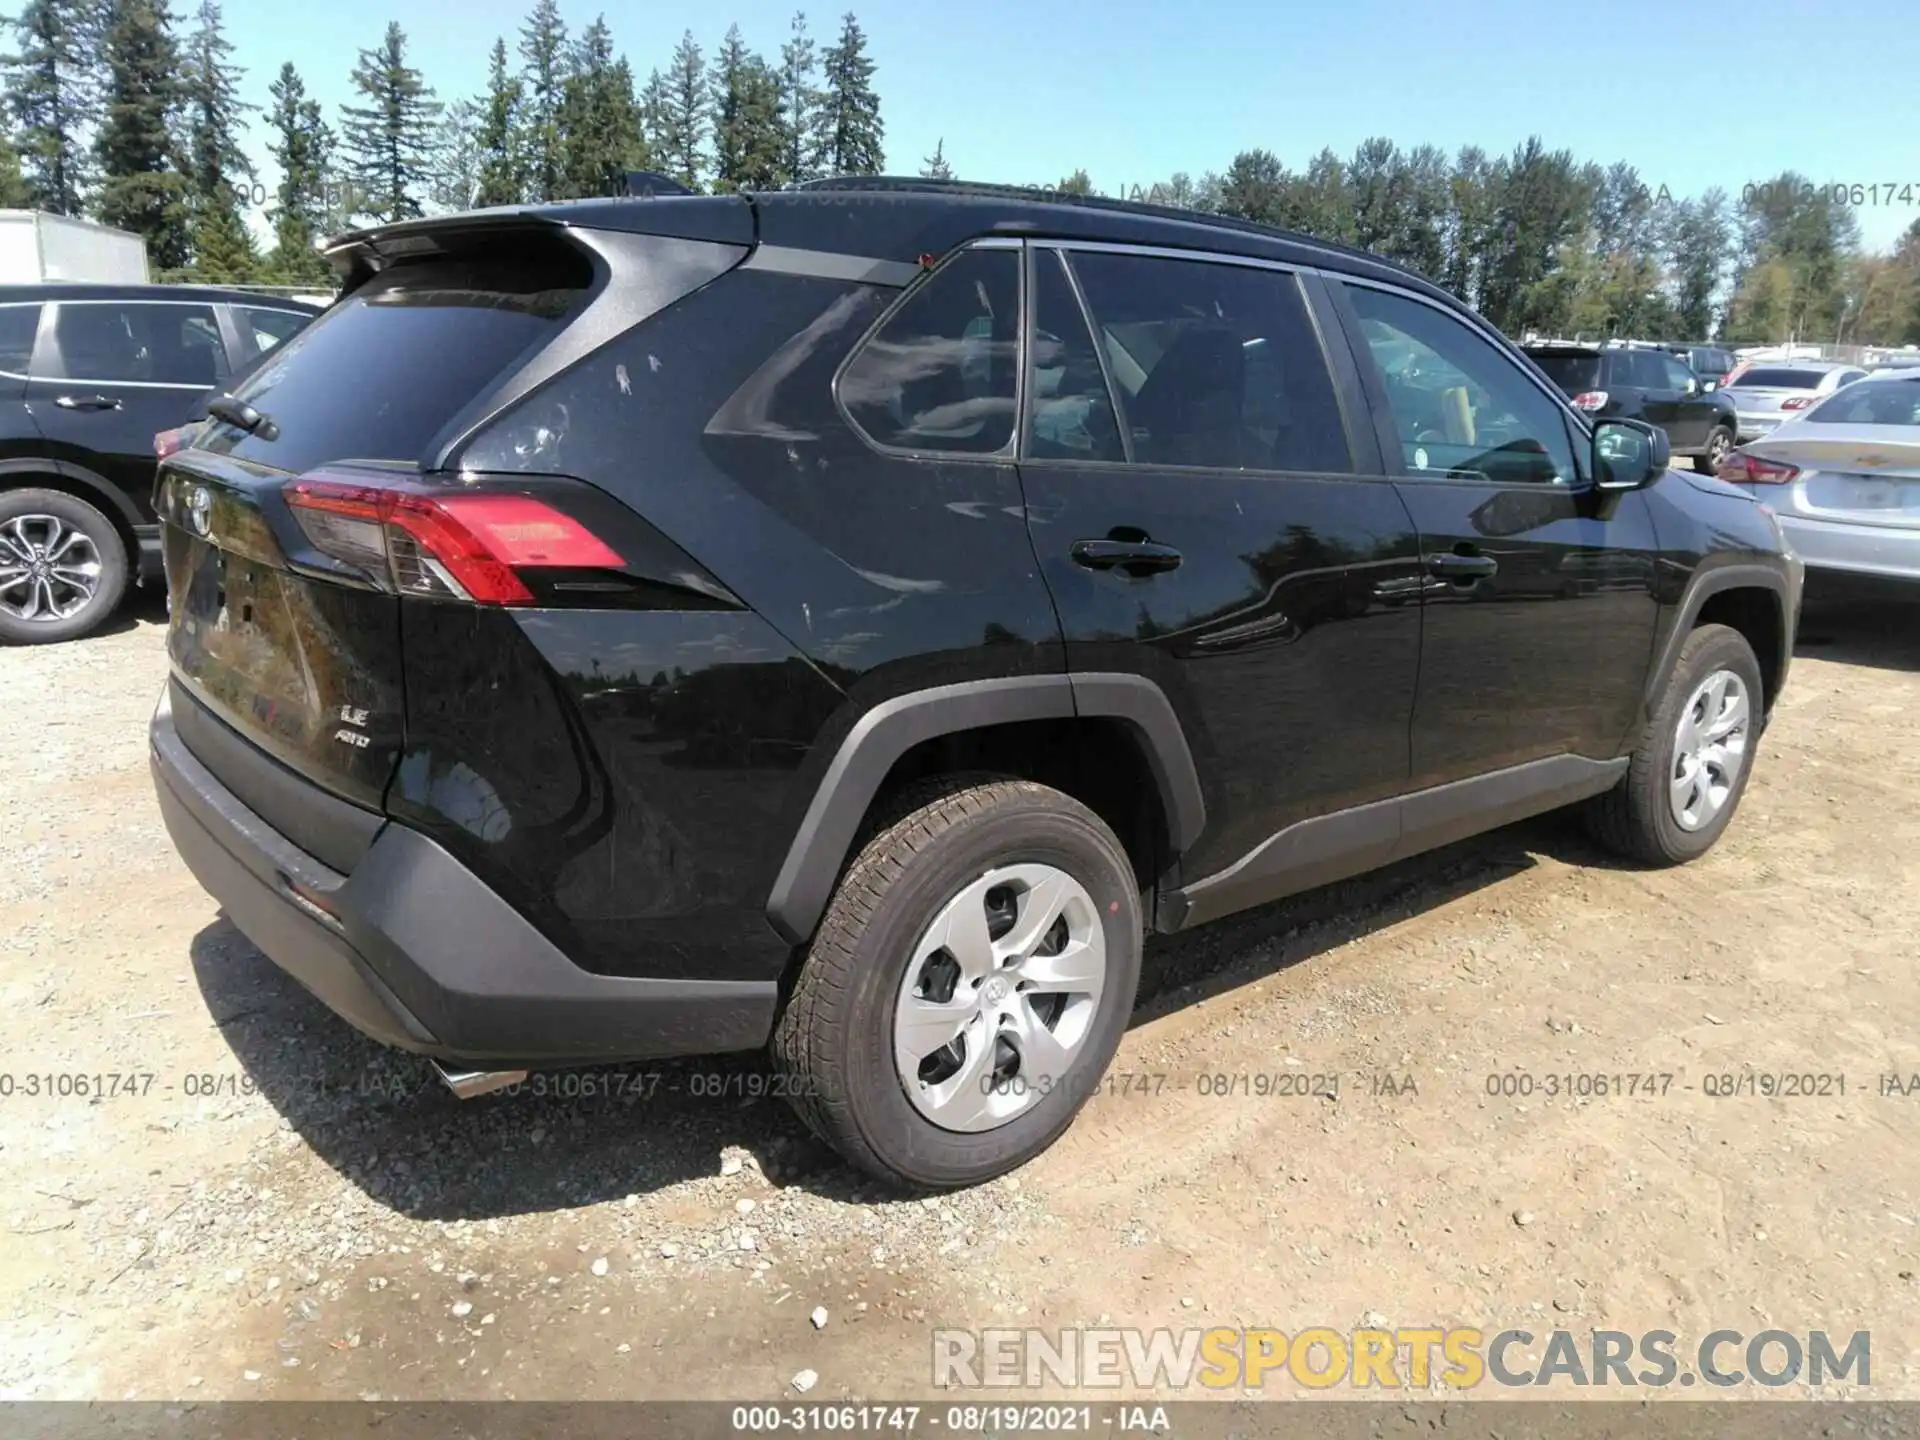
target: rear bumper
<point>1876,550</point>
<point>417,952</point>
<point>1752,427</point>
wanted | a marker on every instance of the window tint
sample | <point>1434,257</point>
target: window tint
<point>1071,415</point>
<point>18,324</point>
<point>1461,408</point>
<point>1572,372</point>
<point>1781,379</point>
<point>154,344</point>
<point>1679,377</point>
<point>380,374</point>
<point>1216,365</point>
<point>1879,402</point>
<point>264,329</point>
<point>939,374</point>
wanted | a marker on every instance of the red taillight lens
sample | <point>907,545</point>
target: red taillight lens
<point>463,545</point>
<point>1797,402</point>
<point>1747,469</point>
<point>1590,400</point>
<point>169,442</point>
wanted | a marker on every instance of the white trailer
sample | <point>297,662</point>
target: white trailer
<point>35,246</point>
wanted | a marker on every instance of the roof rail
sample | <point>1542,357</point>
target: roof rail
<point>1048,195</point>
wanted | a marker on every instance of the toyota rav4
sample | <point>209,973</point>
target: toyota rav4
<point>848,620</point>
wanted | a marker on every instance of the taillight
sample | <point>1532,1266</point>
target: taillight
<point>169,442</point>
<point>1590,400</point>
<point>1797,402</point>
<point>1747,469</point>
<point>450,545</point>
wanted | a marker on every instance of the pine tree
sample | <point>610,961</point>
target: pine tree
<point>456,158</point>
<point>683,120</point>
<point>389,141</point>
<point>936,166</point>
<point>142,187</point>
<point>543,46</point>
<point>502,167</point>
<point>654,108</point>
<point>599,119</point>
<point>1078,183</point>
<point>15,192</point>
<point>800,110</point>
<point>302,147</point>
<point>854,131</point>
<point>749,147</point>
<point>217,167</point>
<point>51,98</point>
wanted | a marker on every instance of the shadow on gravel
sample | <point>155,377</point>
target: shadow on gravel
<point>574,1138</point>
<point>143,608</point>
<point>1853,625</point>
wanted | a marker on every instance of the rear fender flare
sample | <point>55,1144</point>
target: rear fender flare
<point>860,765</point>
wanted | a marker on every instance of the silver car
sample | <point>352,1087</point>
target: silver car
<point>1844,477</point>
<point>1766,393</point>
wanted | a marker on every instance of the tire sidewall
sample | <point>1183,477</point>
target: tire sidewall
<point>1704,462</point>
<point>1020,832</point>
<point>1719,650</point>
<point>113,566</point>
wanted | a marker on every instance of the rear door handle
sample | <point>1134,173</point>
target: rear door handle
<point>86,402</point>
<point>1136,557</point>
<point>1463,567</point>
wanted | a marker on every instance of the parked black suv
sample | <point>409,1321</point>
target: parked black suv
<point>90,375</point>
<point>1643,383</point>
<point>847,619</point>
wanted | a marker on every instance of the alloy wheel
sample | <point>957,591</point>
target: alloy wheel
<point>48,570</point>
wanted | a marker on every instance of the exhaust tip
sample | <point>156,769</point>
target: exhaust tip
<point>466,1084</point>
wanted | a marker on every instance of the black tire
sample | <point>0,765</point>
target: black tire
<point>1719,442</point>
<point>833,1044</point>
<point>100,533</point>
<point>1634,819</point>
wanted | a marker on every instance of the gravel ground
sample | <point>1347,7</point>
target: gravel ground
<point>263,1204</point>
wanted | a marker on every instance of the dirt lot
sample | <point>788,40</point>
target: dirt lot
<point>283,1210</point>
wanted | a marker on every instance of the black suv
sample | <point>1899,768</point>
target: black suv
<point>1644,383</point>
<point>848,619</point>
<point>91,374</point>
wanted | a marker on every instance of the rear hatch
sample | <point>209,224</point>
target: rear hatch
<point>292,535</point>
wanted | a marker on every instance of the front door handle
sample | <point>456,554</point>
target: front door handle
<point>1463,567</point>
<point>86,402</point>
<point>1136,557</point>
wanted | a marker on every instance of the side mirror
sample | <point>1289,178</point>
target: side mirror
<point>1628,454</point>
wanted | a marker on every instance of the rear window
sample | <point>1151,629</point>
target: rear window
<point>1877,402</point>
<point>1572,373</point>
<point>382,372</point>
<point>1780,379</point>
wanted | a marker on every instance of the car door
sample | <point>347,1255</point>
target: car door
<point>108,375</point>
<point>1538,629</point>
<point>1659,396</point>
<point>19,436</point>
<point>1201,519</point>
<point>1692,412</point>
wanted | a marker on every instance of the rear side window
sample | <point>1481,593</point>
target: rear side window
<point>18,325</point>
<point>261,330</point>
<point>379,375</point>
<point>130,342</point>
<point>939,373</point>
<point>1216,365</point>
<point>1071,414</point>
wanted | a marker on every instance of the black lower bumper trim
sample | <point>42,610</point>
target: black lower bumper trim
<point>417,951</point>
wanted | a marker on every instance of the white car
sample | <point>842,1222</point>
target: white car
<point>1767,392</point>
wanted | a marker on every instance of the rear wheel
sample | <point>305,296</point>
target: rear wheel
<point>1691,766</point>
<point>63,568</point>
<point>968,985</point>
<point>1719,446</point>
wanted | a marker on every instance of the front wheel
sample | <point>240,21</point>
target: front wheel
<point>1691,765</point>
<point>1719,446</point>
<point>968,985</point>
<point>63,567</point>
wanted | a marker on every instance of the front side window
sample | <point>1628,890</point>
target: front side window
<point>1461,409</point>
<point>114,342</point>
<point>1679,377</point>
<point>939,373</point>
<point>1215,365</point>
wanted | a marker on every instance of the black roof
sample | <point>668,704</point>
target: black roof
<point>90,290</point>
<point>904,219</point>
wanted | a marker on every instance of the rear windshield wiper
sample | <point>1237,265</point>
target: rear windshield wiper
<point>238,412</point>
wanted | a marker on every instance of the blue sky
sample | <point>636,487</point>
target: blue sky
<point>1133,90</point>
